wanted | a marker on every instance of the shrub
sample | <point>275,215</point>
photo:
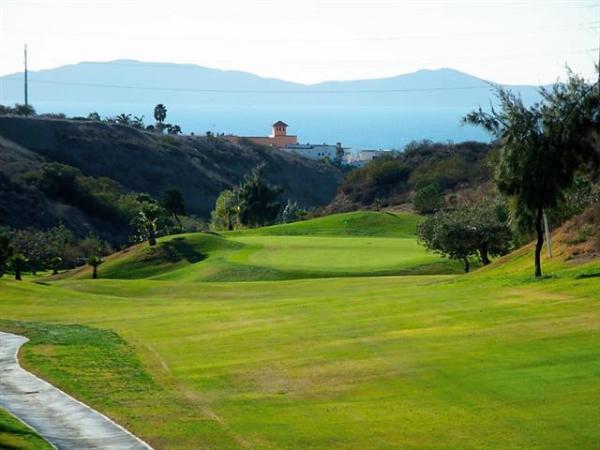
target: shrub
<point>428,200</point>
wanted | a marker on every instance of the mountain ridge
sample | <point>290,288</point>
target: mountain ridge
<point>189,83</point>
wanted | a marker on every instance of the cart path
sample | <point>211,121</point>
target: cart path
<point>63,421</point>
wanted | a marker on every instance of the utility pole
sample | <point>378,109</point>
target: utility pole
<point>548,236</point>
<point>25,78</point>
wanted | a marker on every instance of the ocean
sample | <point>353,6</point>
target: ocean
<point>355,127</point>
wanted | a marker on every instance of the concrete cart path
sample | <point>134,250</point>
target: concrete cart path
<point>60,419</point>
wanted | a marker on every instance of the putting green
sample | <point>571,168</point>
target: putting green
<point>348,255</point>
<point>352,244</point>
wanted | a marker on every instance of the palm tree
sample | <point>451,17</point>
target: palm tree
<point>148,221</point>
<point>138,122</point>
<point>160,113</point>
<point>124,119</point>
<point>95,261</point>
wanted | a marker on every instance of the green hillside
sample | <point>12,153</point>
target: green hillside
<point>489,360</point>
<point>351,244</point>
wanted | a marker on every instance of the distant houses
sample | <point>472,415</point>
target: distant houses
<point>289,143</point>
<point>363,157</point>
<point>278,137</point>
<point>316,151</point>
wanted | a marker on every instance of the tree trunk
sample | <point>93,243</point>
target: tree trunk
<point>178,221</point>
<point>17,273</point>
<point>94,272</point>
<point>466,260</point>
<point>540,242</point>
<point>152,238</point>
<point>55,271</point>
<point>483,254</point>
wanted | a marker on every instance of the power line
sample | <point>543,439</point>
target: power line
<point>255,91</point>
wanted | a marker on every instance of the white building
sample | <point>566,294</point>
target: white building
<point>314,151</point>
<point>363,157</point>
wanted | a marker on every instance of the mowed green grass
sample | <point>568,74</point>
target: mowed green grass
<point>490,360</point>
<point>350,244</point>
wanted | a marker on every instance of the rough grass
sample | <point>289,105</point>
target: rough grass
<point>15,435</point>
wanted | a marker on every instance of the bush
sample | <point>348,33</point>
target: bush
<point>428,200</point>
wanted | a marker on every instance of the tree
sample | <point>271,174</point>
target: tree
<point>91,245</point>
<point>94,116</point>
<point>292,212</point>
<point>24,110</point>
<point>6,252</point>
<point>542,147</point>
<point>173,129</point>
<point>160,114</point>
<point>123,119</point>
<point>491,229</point>
<point>481,230</point>
<point>428,199</point>
<point>138,122</point>
<point>258,204</point>
<point>225,214</point>
<point>449,234</point>
<point>94,261</point>
<point>18,262</point>
<point>59,240</point>
<point>173,202</point>
<point>32,245</point>
<point>55,263</point>
<point>147,221</point>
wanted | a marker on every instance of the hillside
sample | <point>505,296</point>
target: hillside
<point>457,170</point>
<point>141,162</point>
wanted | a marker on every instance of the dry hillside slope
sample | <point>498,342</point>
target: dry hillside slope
<point>142,162</point>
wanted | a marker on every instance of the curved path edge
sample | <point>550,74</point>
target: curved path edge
<point>65,422</point>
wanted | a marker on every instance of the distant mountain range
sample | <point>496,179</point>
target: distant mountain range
<point>128,81</point>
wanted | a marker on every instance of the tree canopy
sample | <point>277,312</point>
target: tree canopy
<point>482,231</point>
<point>542,146</point>
<point>258,200</point>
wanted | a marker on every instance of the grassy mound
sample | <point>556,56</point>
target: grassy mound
<point>170,254</point>
<point>353,244</point>
<point>360,223</point>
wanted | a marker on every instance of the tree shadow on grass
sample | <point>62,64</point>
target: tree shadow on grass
<point>175,250</point>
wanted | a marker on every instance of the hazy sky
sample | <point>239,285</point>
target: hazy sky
<point>310,40</point>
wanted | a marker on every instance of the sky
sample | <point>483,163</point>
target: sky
<point>308,41</point>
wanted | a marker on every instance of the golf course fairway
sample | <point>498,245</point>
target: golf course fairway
<point>291,337</point>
